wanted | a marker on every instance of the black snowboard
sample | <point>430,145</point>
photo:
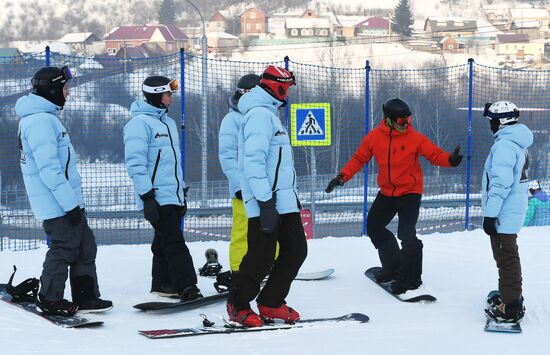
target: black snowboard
<point>75,321</point>
<point>229,328</point>
<point>500,327</point>
<point>181,306</point>
<point>403,297</point>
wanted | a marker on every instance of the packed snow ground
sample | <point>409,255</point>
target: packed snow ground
<point>458,269</point>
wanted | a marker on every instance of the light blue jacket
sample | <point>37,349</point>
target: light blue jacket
<point>504,183</point>
<point>228,140</point>
<point>266,162</point>
<point>48,159</point>
<point>152,154</point>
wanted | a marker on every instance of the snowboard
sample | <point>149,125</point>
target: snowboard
<point>500,327</point>
<point>230,328</point>
<point>75,321</point>
<point>181,306</point>
<point>313,276</point>
<point>405,297</point>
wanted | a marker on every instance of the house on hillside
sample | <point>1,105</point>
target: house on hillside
<point>377,27</point>
<point>451,45</point>
<point>307,27</point>
<point>439,27</point>
<point>217,22</point>
<point>518,45</point>
<point>345,26</point>
<point>168,37</point>
<point>253,23</point>
<point>79,41</point>
<point>533,22</point>
<point>497,15</point>
<point>222,42</point>
<point>10,56</point>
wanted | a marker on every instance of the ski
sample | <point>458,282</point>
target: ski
<point>500,327</point>
<point>314,276</point>
<point>75,321</point>
<point>405,297</point>
<point>230,328</point>
<point>181,306</point>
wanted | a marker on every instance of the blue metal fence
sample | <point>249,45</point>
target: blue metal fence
<point>446,104</point>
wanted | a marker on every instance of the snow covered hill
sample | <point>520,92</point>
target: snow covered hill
<point>458,269</point>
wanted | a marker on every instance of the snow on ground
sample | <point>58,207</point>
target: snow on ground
<point>458,269</point>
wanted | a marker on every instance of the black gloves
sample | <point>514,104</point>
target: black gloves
<point>239,195</point>
<point>150,206</point>
<point>455,158</point>
<point>337,181</point>
<point>269,217</point>
<point>184,207</point>
<point>75,216</point>
<point>490,225</point>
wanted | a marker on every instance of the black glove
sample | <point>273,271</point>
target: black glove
<point>75,216</point>
<point>150,206</point>
<point>184,208</point>
<point>269,217</point>
<point>337,181</point>
<point>490,225</point>
<point>239,195</point>
<point>455,158</point>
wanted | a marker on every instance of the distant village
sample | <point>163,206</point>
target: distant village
<point>514,33</point>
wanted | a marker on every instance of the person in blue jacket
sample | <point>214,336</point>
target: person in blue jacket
<point>504,204</point>
<point>268,185</point>
<point>538,210</point>
<point>153,162</point>
<point>49,167</point>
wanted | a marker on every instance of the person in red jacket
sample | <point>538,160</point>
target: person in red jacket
<point>396,147</point>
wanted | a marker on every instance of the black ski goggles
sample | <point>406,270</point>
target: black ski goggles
<point>62,78</point>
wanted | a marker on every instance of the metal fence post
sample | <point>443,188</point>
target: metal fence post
<point>47,56</point>
<point>367,128</point>
<point>469,156</point>
<point>182,120</point>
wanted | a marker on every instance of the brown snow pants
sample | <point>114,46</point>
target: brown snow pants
<point>505,252</point>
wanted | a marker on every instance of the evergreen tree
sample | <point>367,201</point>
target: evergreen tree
<point>403,18</point>
<point>167,12</point>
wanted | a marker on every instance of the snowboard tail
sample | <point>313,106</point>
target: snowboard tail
<point>75,321</point>
<point>403,297</point>
<point>228,329</point>
<point>182,306</point>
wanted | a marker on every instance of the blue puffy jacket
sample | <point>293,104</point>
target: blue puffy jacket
<point>48,159</point>
<point>152,154</point>
<point>228,140</point>
<point>265,155</point>
<point>504,183</point>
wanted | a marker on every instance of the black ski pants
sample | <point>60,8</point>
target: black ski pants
<point>259,261</point>
<point>381,213</point>
<point>506,255</point>
<point>172,262</point>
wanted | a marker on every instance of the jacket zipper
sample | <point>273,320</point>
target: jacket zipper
<point>389,168</point>
<point>277,169</point>
<point>67,165</point>
<point>175,160</point>
<point>156,167</point>
<point>487,188</point>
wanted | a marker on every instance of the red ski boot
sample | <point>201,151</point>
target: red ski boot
<point>246,317</point>
<point>284,312</point>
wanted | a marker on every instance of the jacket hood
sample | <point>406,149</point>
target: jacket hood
<point>31,103</point>
<point>141,107</point>
<point>541,195</point>
<point>233,103</point>
<point>258,97</point>
<point>518,133</point>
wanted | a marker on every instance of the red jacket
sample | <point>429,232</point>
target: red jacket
<point>396,154</point>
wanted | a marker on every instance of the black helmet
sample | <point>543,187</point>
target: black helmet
<point>396,108</point>
<point>154,86</point>
<point>48,82</point>
<point>246,83</point>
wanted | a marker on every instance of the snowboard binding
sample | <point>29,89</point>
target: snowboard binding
<point>26,291</point>
<point>212,266</point>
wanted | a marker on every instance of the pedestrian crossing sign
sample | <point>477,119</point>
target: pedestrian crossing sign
<point>310,124</point>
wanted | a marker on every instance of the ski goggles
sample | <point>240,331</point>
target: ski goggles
<point>63,78</point>
<point>172,86</point>
<point>403,121</point>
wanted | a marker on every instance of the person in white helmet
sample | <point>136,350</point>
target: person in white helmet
<point>504,204</point>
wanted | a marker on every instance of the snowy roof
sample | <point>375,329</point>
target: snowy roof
<point>439,24</point>
<point>350,21</point>
<point>375,22</point>
<point>307,23</point>
<point>145,32</point>
<point>55,46</point>
<point>77,37</point>
<point>518,23</point>
<point>221,35</point>
<point>528,13</point>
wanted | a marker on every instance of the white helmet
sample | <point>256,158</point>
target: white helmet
<point>505,111</point>
<point>534,185</point>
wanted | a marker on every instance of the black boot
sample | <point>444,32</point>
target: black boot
<point>410,274</point>
<point>61,307</point>
<point>390,260</point>
<point>84,296</point>
<point>190,293</point>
